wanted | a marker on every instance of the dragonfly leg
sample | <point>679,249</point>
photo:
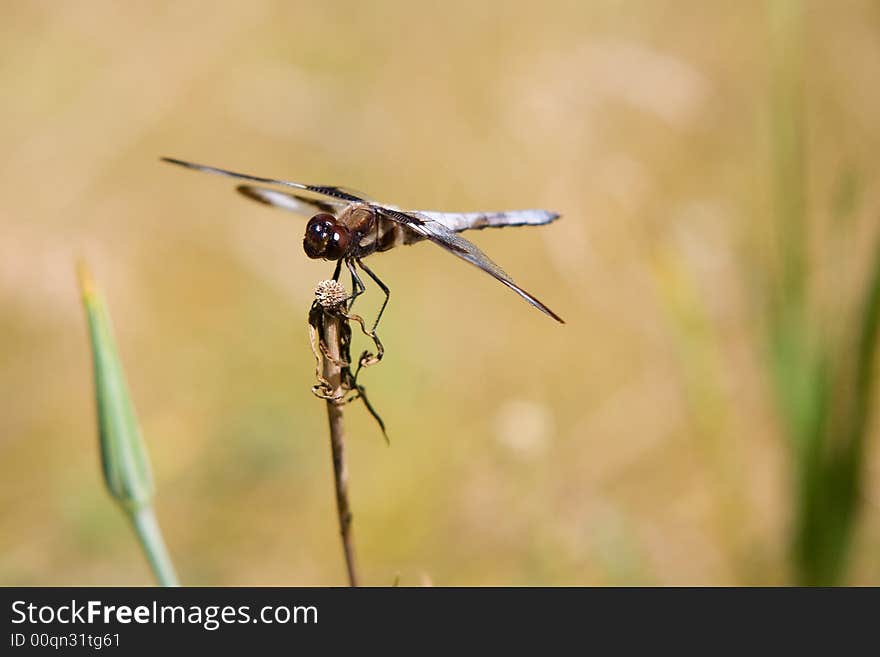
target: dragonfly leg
<point>358,287</point>
<point>363,395</point>
<point>384,289</point>
<point>338,270</point>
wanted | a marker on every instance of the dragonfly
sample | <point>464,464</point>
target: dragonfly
<point>346,227</point>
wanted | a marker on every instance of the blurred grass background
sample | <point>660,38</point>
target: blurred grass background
<point>716,169</point>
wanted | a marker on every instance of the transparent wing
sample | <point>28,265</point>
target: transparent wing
<point>293,202</point>
<point>325,190</point>
<point>454,243</point>
<point>459,221</point>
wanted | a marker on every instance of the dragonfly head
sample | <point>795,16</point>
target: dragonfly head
<point>326,238</point>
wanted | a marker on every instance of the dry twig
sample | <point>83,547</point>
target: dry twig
<point>330,335</point>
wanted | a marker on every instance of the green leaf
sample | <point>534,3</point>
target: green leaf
<point>124,459</point>
<point>123,456</point>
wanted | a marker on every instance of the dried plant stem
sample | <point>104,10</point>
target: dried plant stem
<point>331,338</point>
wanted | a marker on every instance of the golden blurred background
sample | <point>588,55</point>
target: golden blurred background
<point>641,443</point>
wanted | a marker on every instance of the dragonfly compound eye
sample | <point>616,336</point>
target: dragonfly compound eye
<point>324,236</point>
<point>337,245</point>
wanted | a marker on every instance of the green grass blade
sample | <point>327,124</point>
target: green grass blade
<point>846,466</point>
<point>823,387</point>
<point>147,528</point>
<point>124,459</point>
<point>867,350</point>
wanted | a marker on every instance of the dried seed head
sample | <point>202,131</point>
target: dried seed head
<point>330,293</point>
